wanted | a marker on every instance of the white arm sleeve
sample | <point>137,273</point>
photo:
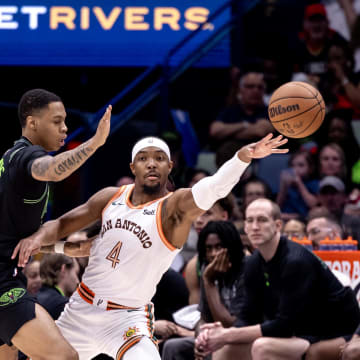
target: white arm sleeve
<point>212,188</point>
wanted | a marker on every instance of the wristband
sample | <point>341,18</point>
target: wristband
<point>59,247</point>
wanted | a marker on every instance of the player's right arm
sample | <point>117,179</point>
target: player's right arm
<point>74,220</point>
<point>59,167</point>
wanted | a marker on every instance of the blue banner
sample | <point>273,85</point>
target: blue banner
<point>106,32</point>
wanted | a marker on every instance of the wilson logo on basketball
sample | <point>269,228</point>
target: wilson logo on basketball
<point>279,110</point>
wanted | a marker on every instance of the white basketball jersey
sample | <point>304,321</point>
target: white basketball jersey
<point>131,254</point>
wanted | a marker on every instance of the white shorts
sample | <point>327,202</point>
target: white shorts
<point>92,330</point>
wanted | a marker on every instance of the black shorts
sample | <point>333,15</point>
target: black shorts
<point>312,339</point>
<point>16,308</point>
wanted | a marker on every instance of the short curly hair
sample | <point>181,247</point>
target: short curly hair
<point>34,100</point>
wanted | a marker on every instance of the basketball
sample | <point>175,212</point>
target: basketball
<point>296,109</point>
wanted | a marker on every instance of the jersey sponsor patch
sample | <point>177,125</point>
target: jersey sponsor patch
<point>130,332</point>
<point>12,296</point>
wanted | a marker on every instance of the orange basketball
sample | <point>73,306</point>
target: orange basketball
<point>296,109</point>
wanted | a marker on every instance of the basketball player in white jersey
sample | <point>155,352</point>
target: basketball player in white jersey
<point>143,227</point>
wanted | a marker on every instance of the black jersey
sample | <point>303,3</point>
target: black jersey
<point>296,294</point>
<point>23,200</point>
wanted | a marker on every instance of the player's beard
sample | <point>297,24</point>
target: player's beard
<point>151,190</point>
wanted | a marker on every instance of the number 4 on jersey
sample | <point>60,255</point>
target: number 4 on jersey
<point>113,255</point>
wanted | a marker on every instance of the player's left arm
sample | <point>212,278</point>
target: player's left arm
<point>185,205</point>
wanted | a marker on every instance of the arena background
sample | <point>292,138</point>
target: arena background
<point>90,52</point>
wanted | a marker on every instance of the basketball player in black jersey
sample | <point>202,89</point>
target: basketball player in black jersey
<point>25,171</point>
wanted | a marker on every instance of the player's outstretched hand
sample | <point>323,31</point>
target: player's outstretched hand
<point>103,129</point>
<point>263,148</point>
<point>25,248</point>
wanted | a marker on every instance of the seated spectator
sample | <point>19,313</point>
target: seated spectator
<point>339,85</point>
<point>294,228</point>
<point>298,188</point>
<point>221,255</point>
<point>337,129</point>
<point>293,304</point>
<point>312,48</point>
<point>332,163</point>
<point>60,277</point>
<point>320,228</point>
<point>221,210</point>
<point>332,196</point>
<point>253,189</point>
<point>124,180</point>
<point>244,120</point>
<point>32,274</point>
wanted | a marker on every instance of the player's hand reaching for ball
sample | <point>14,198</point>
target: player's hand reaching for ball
<point>263,148</point>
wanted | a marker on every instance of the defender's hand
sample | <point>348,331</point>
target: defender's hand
<point>103,129</point>
<point>25,248</point>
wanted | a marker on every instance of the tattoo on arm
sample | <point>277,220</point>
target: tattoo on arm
<point>71,162</point>
<point>40,167</point>
<point>62,165</point>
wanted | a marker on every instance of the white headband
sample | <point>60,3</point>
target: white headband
<point>150,141</point>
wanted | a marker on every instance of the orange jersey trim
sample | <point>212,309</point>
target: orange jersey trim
<point>84,295</point>
<point>117,194</point>
<point>130,343</point>
<point>166,242</point>
<point>114,306</point>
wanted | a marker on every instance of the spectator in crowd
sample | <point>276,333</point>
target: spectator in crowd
<point>332,196</point>
<point>332,163</point>
<point>293,303</point>
<point>337,129</point>
<point>294,228</point>
<point>221,259</point>
<point>339,85</point>
<point>221,210</point>
<point>32,273</point>
<point>320,228</point>
<point>124,180</point>
<point>244,120</point>
<point>253,189</point>
<point>298,188</point>
<point>311,50</point>
<point>195,175</point>
<point>60,277</point>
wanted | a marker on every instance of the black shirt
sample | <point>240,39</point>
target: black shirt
<point>52,300</point>
<point>296,294</point>
<point>231,292</point>
<point>236,114</point>
<point>23,200</point>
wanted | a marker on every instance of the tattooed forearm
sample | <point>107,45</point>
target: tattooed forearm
<point>69,161</point>
<point>61,166</point>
